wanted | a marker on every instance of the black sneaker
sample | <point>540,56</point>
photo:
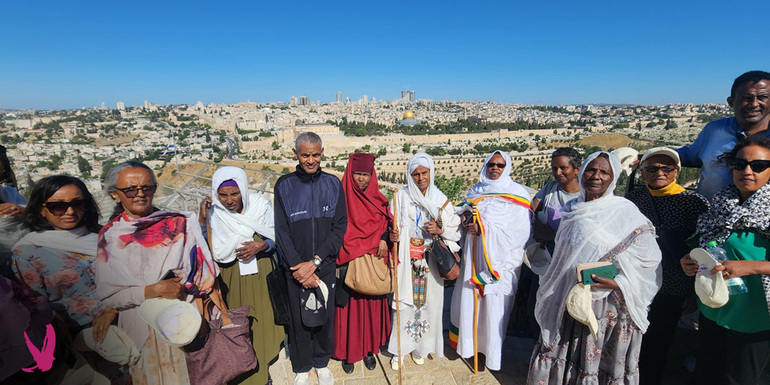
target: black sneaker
<point>370,362</point>
<point>347,368</point>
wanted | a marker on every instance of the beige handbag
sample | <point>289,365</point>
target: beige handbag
<point>369,275</point>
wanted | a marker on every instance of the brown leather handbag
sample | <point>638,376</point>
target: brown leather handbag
<point>369,275</point>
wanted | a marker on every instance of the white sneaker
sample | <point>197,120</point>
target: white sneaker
<point>301,378</point>
<point>325,376</point>
<point>394,363</point>
<point>417,359</point>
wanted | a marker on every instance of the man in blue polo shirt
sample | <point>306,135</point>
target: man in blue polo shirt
<point>750,100</point>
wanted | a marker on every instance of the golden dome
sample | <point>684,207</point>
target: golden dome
<point>408,114</point>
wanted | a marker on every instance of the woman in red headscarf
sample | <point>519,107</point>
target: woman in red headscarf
<point>362,322</point>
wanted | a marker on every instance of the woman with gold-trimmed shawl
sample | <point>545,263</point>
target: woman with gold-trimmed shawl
<point>503,208</point>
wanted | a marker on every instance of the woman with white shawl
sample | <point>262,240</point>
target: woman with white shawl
<point>601,344</point>
<point>242,243</point>
<point>421,289</point>
<point>56,260</point>
<point>504,210</point>
<point>137,249</point>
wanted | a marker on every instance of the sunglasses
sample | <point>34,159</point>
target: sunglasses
<point>739,164</point>
<point>654,169</point>
<point>499,165</point>
<point>59,208</point>
<point>131,192</point>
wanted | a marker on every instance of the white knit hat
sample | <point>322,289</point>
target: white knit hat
<point>117,346</point>
<point>175,322</point>
<point>579,307</point>
<point>537,258</point>
<point>710,288</point>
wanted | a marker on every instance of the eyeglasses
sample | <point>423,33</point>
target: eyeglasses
<point>59,208</point>
<point>131,192</point>
<point>654,169</point>
<point>739,164</point>
<point>499,165</point>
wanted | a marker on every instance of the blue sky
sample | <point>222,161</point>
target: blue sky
<point>70,54</point>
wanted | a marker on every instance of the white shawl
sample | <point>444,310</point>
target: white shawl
<point>502,185</point>
<point>589,230</point>
<point>507,227</point>
<point>228,228</point>
<point>432,194</point>
<point>78,240</point>
<point>410,207</point>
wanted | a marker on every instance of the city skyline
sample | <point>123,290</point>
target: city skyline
<point>72,55</point>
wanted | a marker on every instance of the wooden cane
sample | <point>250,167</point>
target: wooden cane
<point>475,303</point>
<point>394,267</point>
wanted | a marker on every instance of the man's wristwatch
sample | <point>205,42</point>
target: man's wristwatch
<point>317,261</point>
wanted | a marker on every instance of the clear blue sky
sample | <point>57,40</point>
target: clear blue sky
<point>70,54</point>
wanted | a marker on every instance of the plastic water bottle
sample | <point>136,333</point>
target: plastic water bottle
<point>734,285</point>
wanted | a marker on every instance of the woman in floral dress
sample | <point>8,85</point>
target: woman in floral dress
<point>597,226</point>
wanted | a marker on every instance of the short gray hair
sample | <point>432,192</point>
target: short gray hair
<point>110,183</point>
<point>111,178</point>
<point>307,137</point>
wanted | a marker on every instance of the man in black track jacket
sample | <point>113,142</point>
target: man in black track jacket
<point>310,223</point>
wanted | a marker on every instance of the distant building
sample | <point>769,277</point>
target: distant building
<point>407,96</point>
<point>104,107</point>
<point>289,134</point>
<point>339,97</point>
<point>293,101</point>
<point>304,101</point>
<point>366,99</point>
<point>121,106</point>
<point>409,120</point>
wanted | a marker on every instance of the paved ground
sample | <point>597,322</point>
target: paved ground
<point>453,370</point>
<point>447,370</point>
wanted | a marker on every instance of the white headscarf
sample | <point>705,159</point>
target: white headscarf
<point>228,228</point>
<point>589,230</point>
<point>507,228</point>
<point>432,194</point>
<point>502,185</point>
<point>616,170</point>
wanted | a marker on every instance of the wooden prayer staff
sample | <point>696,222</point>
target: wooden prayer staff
<point>485,263</point>
<point>475,303</point>
<point>394,269</point>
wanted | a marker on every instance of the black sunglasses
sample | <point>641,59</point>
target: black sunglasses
<point>739,164</point>
<point>654,169</point>
<point>131,192</point>
<point>499,165</point>
<point>59,208</point>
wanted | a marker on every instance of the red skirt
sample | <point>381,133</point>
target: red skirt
<point>361,327</point>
